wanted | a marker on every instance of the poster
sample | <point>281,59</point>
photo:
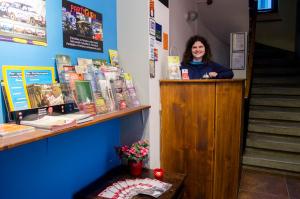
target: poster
<point>23,21</point>
<point>16,78</point>
<point>158,32</point>
<point>82,27</point>
<point>152,25</point>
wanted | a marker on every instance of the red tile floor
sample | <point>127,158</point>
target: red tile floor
<point>261,185</point>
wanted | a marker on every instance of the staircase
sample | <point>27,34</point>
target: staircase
<point>273,138</point>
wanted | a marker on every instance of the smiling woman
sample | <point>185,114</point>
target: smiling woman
<point>197,61</point>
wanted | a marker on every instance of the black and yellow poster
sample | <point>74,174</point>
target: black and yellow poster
<point>82,27</point>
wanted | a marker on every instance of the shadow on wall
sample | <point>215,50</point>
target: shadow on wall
<point>133,126</point>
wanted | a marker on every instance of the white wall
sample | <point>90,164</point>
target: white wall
<point>280,34</point>
<point>161,17</point>
<point>180,29</point>
<point>132,35</point>
<point>133,46</point>
<point>217,21</point>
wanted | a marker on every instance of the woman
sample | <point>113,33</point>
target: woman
<point>196,61</point>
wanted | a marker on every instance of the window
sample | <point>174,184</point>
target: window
<point>267,5</point>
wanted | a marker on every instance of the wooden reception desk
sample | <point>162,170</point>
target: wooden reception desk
<point>201,135</point>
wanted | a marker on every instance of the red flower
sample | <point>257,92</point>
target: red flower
<point>138,151</point>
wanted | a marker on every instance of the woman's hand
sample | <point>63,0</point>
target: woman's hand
<point>212,74</point>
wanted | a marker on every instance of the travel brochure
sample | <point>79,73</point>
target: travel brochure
<point>128,188</point>
<point>92,86</point>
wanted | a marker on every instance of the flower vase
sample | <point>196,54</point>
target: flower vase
<point>136,168</point>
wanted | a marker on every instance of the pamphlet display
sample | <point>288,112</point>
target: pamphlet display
<point>33,97</point>
<point>82,27</point>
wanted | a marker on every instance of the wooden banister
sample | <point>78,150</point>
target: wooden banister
<point>252,30</point>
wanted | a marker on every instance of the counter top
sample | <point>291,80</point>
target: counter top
<point>199,80</point>
<point>14,141</point>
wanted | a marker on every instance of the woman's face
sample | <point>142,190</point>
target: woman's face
<point>198,50</point>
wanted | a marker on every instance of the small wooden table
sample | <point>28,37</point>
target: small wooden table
<point>122,172</point>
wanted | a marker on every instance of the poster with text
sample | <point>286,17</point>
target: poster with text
<point>23,21</point>
<point>16,78</point>
<point>82,27</point>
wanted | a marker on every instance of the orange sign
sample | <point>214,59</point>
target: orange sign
<point>165,41</point>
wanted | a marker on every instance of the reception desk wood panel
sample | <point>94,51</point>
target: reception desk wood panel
<point>200,135</point>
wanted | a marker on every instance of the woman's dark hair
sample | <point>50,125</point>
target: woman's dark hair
<point>188,56</point>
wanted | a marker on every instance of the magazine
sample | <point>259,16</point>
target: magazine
<point>174,67</point>
<point>61,61</point>
<point>114,57</point>
<point>8,130</point>
<point>85,97</point>
<point>43,95</point>
<point>98,63</point>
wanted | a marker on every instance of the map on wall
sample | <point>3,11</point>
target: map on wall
<point>82,27</point>
<point>23,21</point>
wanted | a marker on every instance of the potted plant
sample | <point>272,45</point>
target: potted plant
<point>134,155</point>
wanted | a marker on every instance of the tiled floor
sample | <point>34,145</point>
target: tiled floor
<point>260,185</point>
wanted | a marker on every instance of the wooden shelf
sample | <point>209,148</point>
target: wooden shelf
<point>14,141</point>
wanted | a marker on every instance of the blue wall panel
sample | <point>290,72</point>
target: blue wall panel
<point>21,54</point>
<point>59,166</point>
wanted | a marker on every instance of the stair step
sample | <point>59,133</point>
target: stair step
<point>295,80</point>
<point>275,113</point>
<point>269,100</point>
<point>275,90</point>
<point>272,159</point>
<point>274,61</point>
<point>272,171</point>
<point>259,70</point>
<point>273,142</point>
<point>274,127</point>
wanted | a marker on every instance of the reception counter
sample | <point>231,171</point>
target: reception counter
<point>201,127</point>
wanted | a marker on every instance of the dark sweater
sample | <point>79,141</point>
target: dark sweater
<point>197,70</point>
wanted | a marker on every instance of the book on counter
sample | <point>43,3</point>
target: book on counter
<point>52,123</point>
<point>8,130</point>
<point>78,117</point>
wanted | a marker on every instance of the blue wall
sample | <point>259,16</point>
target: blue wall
<point>21,54</point>
<point>60,166</point>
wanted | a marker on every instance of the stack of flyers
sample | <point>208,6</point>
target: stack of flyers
<point>128,188</point>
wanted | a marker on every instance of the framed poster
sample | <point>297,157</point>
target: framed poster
<point>238,50</point>
<point>82,27</point>
<point>23,22</point>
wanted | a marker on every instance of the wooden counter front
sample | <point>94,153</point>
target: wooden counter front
<point>200,134</point>
<point>14,141</point>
